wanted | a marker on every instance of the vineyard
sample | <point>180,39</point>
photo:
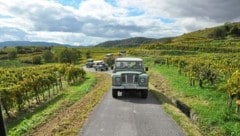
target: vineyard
<point>23,88</point>
<point>209,65</point>
<point>202,72</point>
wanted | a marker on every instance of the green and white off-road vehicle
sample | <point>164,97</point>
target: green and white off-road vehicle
<point>129,75</point>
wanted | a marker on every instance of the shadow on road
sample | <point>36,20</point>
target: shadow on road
<point>135,97</point>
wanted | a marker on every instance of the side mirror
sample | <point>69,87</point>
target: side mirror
<point>146,68</point>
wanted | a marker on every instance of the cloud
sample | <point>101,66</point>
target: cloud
<point>61,37</point>
<point>201,13</point>
<point>9,34</point>
<point>86,22</point>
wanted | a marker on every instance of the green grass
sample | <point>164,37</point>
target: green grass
<point>185,123</point>
<point>214,117</point>
<point>12,63</point>
<point>69,96</point>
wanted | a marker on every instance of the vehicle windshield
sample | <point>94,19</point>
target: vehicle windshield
<point>90,60</point>
<point>128,65</point>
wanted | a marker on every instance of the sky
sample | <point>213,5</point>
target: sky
<point>89,22</point>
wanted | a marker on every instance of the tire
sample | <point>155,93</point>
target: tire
<point>144,94</point>
<point>114,93</point>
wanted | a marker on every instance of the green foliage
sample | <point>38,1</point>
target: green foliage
<point>30,49</point>
<point>218,33</point>
<point>48,56</point>
<point>235,31</point>
<point>209,104</point>
<point>37,60</point>
<point>233,85</point>
<point>12,54</point>
<point>131,42</point>
<point>19,86</point>
<point>12,63</point>
<point>69,56</point>
<point>44,112</point>
<point>88,54</point>
<point>75,75</point>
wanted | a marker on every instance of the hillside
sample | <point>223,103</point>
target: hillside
<point>130,42</point>
<point>223,32</point>
<point>29,43</point>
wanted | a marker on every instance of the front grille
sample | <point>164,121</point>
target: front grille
<point>130,78</point>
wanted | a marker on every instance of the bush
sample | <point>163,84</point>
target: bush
<point>12,54</point>
<point>218,33</point>
<point>235,31</point>
<point>48,56</point>
<point>36,60</point>
<point>69,56</point>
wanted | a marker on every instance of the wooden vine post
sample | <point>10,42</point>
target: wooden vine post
<point>2,125</point>
<point>238,105</point>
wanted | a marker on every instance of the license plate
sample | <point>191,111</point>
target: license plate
<point>130,86</point>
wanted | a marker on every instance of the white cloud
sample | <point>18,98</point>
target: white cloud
<point>62,37</point>
<point>95,21</point>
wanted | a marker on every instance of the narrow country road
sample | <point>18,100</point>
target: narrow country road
<point>129,115</point>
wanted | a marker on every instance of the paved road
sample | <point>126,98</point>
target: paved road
<point>129,115</point>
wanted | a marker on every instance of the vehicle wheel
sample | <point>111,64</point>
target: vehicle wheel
<point>144,94</point>
<point>95,69</point>
<point>114,93</point>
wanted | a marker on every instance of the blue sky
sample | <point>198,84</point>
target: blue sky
<point>89,22</point>
<point>73,3</point>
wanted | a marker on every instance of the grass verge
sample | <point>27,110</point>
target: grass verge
<point>189,128</point>
<point>214,117</point>
<point>70,120</point>
<point>46,111</point>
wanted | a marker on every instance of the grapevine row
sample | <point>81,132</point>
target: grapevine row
<point>22,88</point>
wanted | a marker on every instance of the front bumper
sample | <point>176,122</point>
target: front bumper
<point>130,87</point>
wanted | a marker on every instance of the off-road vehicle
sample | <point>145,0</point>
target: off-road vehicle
<point>89,63</point>
<point>129,75</point>
<point>100,66</point>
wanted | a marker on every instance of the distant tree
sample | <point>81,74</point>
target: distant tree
<point>88,54</point>
<point>20,50</point>
<point>235,31</point>
<point>12,54</point>
<point>76,55</point>
<point>227,26</point>
<point>218,33</point>
<point>48,56</point>
<point>36,60</point>
<point>167,40</point>
<point>69,56</point>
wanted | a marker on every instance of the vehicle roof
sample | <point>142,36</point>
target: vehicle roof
<point>128,59</point>
<point>98,61</point>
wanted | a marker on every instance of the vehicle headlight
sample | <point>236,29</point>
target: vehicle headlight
<point>118,79</point>
<point>142,80</point>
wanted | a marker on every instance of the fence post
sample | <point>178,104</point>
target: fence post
<point>2,125</point>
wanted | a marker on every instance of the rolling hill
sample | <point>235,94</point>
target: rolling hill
<point>227,31</point>
<point>130,42</point>
<point>29,43</point>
